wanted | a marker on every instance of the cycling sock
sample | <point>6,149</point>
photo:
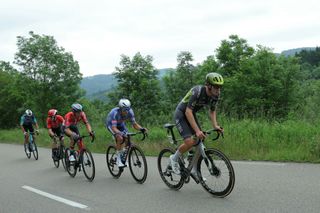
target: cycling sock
<point>176,155</point>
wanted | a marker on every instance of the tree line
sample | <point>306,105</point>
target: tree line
<point>258,82</point>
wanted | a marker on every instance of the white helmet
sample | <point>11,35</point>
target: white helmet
<point>28,112</point>
<point>124,104</point>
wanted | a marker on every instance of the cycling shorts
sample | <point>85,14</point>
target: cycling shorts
<point>183,125</point>
<point>28,128</point>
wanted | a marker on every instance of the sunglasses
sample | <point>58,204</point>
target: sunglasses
<point>216,86</point>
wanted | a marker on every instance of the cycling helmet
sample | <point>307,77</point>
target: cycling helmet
<point>76,107</point>
<point>28,112</point>
<point>52,112</point>
<point>214,78</point>
<point>124,104</point>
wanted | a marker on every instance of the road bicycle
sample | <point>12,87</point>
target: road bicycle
<point>59,154</point>
<point>83,159</point>
<point>131,154</point>
<point>32,147</point>
<point>214,170</point>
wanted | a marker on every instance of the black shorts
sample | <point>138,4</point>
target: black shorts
<point>183,125</point>
<point>28,128</point>
<point>58,131</point>
<point>74,129</point>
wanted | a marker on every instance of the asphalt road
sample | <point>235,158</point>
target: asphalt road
<point>27,185</point>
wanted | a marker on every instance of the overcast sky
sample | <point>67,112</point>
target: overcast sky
<point>97,32</point>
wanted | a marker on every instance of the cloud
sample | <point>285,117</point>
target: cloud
<point>98,32</point>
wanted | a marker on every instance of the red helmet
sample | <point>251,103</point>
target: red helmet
<point>52,112</point>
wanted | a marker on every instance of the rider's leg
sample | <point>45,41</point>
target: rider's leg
<point>119,145</point>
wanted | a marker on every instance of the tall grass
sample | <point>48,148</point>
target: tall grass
<point>291,140</point>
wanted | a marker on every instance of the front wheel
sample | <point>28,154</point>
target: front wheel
<point>34,149</point>
<point>138,164</point>
<point>111,158</point>
<point>216,173</point>
<point>171,179</point>
<point>87,163</point>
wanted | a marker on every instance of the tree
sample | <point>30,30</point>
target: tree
<point>11,94</point>
<point>137,81</point>
<point>231,53</point>
<point>54,73</point>
<point>180,81</point>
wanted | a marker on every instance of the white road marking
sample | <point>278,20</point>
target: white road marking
<point>54,197</point>
<point>259,163</point>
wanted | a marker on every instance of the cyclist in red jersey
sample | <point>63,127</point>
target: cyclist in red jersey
<point>71,120</point>
<point>55,125</point>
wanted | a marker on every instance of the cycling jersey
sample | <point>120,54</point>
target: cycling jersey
<point>115,118</point>
<point>72,120</point>
<point>26,120</point>
<point>53,124</point>
<point>196,99</point>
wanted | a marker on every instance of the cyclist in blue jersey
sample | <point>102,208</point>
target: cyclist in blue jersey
<point>185,115</point>
<point>115,123</point>
<point>27,121</point>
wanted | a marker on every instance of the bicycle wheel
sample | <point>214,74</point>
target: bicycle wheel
<point>171,179</point>
<point>70,166</point>
<point>34,149</point>
<point>138,164</point>
<point>56,158</point>
<point>216,173</point>
<point>28,154</point>
<point>111,158</point>
<point>62,156</point>
<point>87,163</point>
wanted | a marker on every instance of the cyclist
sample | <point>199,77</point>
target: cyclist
<point>27,121</point>
<point>185,115</point>
<point>55,124</point>
<point>71,120</point>
<point>115,123</point>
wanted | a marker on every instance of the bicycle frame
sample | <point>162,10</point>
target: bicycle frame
<point>129,144</point>
<point>199,151</point>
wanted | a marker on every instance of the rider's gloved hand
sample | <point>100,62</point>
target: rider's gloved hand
<point>37,131</point>
<point>25,133</point>
<point>91,133</point>
<point>143,130</point>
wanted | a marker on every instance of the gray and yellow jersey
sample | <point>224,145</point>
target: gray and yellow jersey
<point>196,99</point>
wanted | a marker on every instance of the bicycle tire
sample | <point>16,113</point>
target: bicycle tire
<point>56,163</point>
<point>70,166</point>
<point>111,159</point>
<point>28,154</point>
<point>62,156</point>
<point>172,180</point>
<point>222,172</point>
<point>87,162</point>
<point>35,150</point>
<point>136,162</point>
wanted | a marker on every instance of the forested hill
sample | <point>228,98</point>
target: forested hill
<point>96,86</point>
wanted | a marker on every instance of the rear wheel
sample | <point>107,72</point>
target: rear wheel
<point>171,179</point>
<point>138,164</point>
<point>87,163</point>
<point>216,173</point>
<point>70,165</point>
<point>111,158</point>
